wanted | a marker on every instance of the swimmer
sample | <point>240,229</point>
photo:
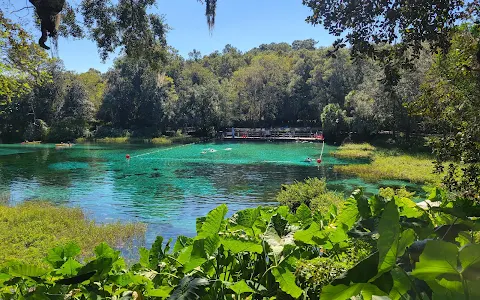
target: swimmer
<point>309,160</point>
<point>213,150</point>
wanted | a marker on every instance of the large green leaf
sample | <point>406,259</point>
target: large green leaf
<point>341,291</point>
<point>438,258</point>
<point>189,288</point>
<point>286,280</point>
<point>349,214</point>
<point>70,267</point>
<point>389,230</point>
<point>104,250</point>
<point>181,243</point>
<point>303,214</point>
<point>240,287</point>
<point>25,270</point>
<point>197,256</point>
<point>246,218</point>
<point>278,234</point>
<point>161,292</point>
<point>213,222</point>
<point>306,236</point>
<point>401,284</point>
<point>71,250</point>
<point>469,257</point>
<point>236,245</point>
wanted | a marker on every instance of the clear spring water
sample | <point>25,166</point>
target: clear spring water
<point>165,187</point>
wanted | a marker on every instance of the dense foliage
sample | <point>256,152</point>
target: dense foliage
<point>272,85</point>
<point>387,247</point>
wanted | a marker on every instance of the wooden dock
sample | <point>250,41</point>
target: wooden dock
<point>255,134</point>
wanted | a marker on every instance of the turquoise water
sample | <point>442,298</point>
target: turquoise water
<point>165,187</point>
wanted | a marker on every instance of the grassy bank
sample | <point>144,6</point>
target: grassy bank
<point>387,164</point>
<point>29,230</point>
<point>129,140</point>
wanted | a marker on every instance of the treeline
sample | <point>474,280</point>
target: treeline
<point>274,84</point>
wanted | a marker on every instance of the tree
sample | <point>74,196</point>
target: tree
<point>367,24</point>
<point>137,97</point>
<point>94,84</point>
<point>308,44</point>
<point>334,121</point>
<point>126,25</point>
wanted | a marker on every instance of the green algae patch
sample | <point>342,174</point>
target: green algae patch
<point>354,151</point>
<point>413,168</point>
<point>29,230</point>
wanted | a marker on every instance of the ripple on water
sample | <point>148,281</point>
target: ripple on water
<point>69,165</point>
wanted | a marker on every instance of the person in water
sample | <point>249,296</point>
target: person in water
<point>308,159</point>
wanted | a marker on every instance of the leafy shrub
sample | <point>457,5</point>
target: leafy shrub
<point>334,121</point>
<point>389,248</point>
<point>389,193</point>
<point>311,192</point>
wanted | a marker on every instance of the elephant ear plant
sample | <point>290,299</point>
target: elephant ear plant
<point>376,247</point>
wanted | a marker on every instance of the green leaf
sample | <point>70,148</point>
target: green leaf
<point>401,284</point>
<point>26,270</point>
<point>197,256</point>
<point>341,291</point>
<point>71,250</point>
<point>469,257</point>
<point>70,267</point>
<point>349,214</point>
<point>438,258</point>
<point>286,280</point>
<point>122,280</point>
<point>304,214</point>
<point>246,217</point>
<point>162,292</point>
<point>211,244</point>
<point>104,250</point>
<point>76,279</point>
<point>389,230</point>
<point>306,236</point>
<point>407,238</point>
<point>241,287</point>
<point>236,245</point>
<point>189,288</point>
<point>181,243</point>
<point>280,224</point>
<point>213,222</point>
<point>362,272</point>
<point>144,257</point>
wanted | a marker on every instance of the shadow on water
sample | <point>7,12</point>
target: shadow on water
<point>166,187</point>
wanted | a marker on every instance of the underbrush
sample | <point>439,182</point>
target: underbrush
<point>29,230</point>
<point>354,151</point>
<point>374,248</point>
<point>311,192</point>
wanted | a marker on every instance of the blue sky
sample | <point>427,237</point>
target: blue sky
<point>243,23</point>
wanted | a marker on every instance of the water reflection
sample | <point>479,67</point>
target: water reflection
<point>165,187</point>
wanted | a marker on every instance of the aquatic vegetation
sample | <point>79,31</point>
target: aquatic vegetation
<point>354,151</point>
<point>29,230</point>
<point>375,246</point>
<point>413,168</point>
<point>311,192</point>
<point>161,141</point>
